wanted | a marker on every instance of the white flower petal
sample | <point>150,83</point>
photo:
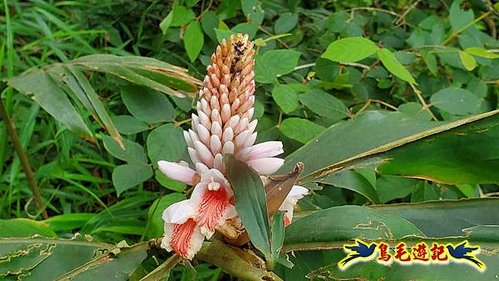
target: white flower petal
<point>242,138</point>
<point>193,155</point>
<point>204,153</point>
<point>228,148</point>
<point>266,149</point>
<point>228,135</point>
<point>215,144</point>
<point>178,172</point>
<point>216,129</point>
<point>266,166</point>
<point>179,212</point>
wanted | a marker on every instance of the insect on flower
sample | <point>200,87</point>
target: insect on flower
<point>222,125</point>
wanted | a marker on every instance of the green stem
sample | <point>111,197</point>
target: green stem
<point>23,157</point>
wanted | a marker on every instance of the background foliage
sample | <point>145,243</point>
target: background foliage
<point>407,72</point>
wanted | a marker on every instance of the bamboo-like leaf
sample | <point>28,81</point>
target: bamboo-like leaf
<point>251,203</point>
<point>45,91</point>
<point>370,136</point>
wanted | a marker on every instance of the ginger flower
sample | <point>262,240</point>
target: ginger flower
<point>223,125</point>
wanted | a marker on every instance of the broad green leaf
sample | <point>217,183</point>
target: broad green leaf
<point>45,258</point>
<point>456,101</point>
<point>97,105</point>
<point>166,142</point>
<point>459,18</point>
<point>148,72</point>
<point>481,52</point>
<point>446,156</point>
<point>68,222</point>
<point>332,227</point>
<point>209,22</point>
<point>275,63</point>
<point>446,218</point>
<point>45,91</point>
<point>193,40</point>
<point>166,22</point>
<point>148,106</point>
<point>162,272</point>
<point>431,61</point>
<point>394,66</point>
<point>300,129</point>
<point>285,97</point>
<point>324,104</point>
<point>351,139</point>
<point>392,187</point>
<point>353,181</point>
<point>181,15</point>
<point>277,237</point>
<point>251,205</point>
<point>285,23</point>
<point>467,60</point>
<point>24,227</point>
<point>130,175</point>
<point>111,266</point>
<point>129,125</point>
<point>350,49</point>
<point>133,152</point>
<point>155,223</point>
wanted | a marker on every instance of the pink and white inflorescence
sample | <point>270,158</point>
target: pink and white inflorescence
<point>223,125</point>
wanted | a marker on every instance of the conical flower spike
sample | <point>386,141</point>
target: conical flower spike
<point>223,123</point>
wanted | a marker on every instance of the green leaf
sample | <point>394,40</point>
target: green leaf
<point>324,104</point>
<point>152,73</point>
<point>430,61</point>
<point>193,40</point>
<point>166,142</point>
<point>415,144</point>
<point>68,222</point>
<point>392,187</point>
<point>111,266</point>
<point>133,152</point>
<point>300,129</point>
<point>251,204</point>
<point>130,175</point>
<point>353,139</point>
<point>459,18</point>
<point>285,97</point>
<point>456,101</point>
<point>45,258</point>
<point>353,181</point>
<point>162,272</point>
<point>445,155</point>
<point>275,63</point>
<point>467,60</point>
<point>394,66</point>
<point>24,227</point>
<point>350,49</point>
<point>481,52</point>
<point>45,91</point>
<point>96,104</point>
<point>285,23</point>
<point>446,218</point>
<point>181,15</point>
<point>166,22</point>
<point>129,125</point>
<point>148,106</point>
<point>332,227</point>
<point>155,222</point>
<point>277,239</point>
